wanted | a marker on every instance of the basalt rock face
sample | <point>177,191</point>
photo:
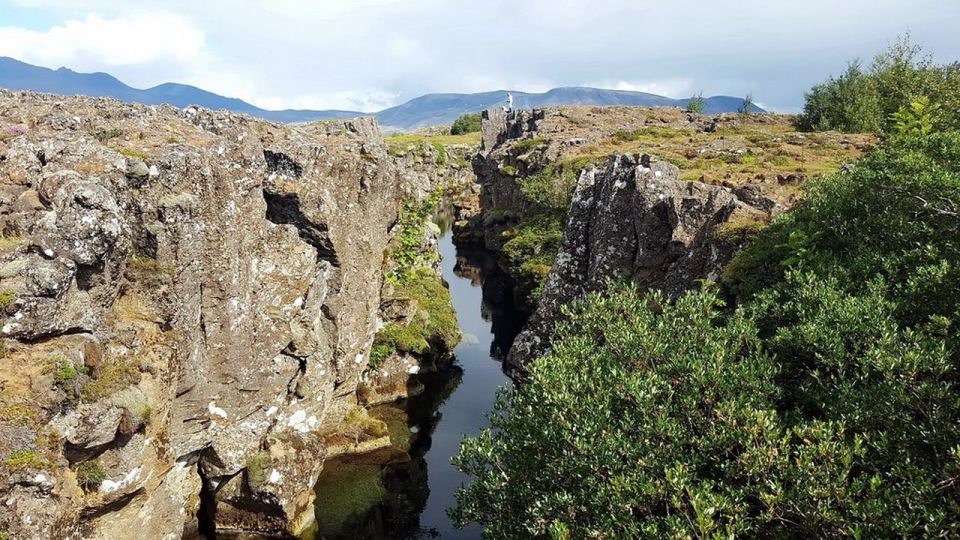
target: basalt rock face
<point>188,297</point>
<point>632,219</point>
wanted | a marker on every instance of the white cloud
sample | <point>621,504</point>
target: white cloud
<point>675,88</point>
<point>135,39</point>
<point>368,54</point>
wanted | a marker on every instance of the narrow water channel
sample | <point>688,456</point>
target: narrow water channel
<point>464,411</point>
<point>361,497</point>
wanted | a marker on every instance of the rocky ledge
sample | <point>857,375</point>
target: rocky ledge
<point>188,298</point>
<point>572,197</point>
<point>634,219</point>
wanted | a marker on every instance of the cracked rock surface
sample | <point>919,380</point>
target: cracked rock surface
<point>184,292</point>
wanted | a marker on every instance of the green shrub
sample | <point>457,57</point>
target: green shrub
<point>915,119</point>
<point>894,216</point>
<point>696,104</point>
<point>468,123</point>
<point>408,253</point>
<point>90,474</point>
<point>441,153</point>
<point>866,100</point>
<point>531,247</point>
<point>747,106</point>
<point>824,405</point>
<point>552,187</point>
<point>509,170</point>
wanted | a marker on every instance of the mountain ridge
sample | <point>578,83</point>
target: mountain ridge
<point>422,111</point>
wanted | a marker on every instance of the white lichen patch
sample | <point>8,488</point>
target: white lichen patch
<point>216,411</point>
<point>109,486</point>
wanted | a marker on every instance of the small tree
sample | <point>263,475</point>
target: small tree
<point>696,104</point>
<point>747,106</point>
<point>468,123</point>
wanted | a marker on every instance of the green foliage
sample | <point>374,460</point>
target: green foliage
<point>468,123</point>
<point>531,247</point>
<point>824,405</point>
<point>258,464</point>
<point>441,153</point>
<point>896,215</point>
<point>747,106</point>
<point>916,119</point>
<point>868,100</point>
<point>432,329</point>
<point>6,297</point>
<point>408,253</point>
<point>552,187</point>
<point>65,376</point>
<point>90,474</point>
<point>26,459</point>
<point>525,145</point>
<point>696,104</point>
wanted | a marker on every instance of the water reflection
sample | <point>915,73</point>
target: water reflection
<point>386,495</point>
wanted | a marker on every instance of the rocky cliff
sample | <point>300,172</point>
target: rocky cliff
<point>633,219</point>
<point>188,298</point>
<point>572,197</point>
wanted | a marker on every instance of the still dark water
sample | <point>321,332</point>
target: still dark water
<point>361,497</point>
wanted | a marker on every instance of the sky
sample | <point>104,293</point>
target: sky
<point>367,55</point>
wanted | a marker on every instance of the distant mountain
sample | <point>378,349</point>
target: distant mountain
<point>427,110</point>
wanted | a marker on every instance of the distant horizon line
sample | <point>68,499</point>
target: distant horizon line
<point>369,112</point>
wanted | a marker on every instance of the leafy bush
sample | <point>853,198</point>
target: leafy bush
<point>90,474</point>
<point>552,187</point>
<point>896,216</point>
<point>468,123</point>
<point>747,106</point>
<point>825,405</point>
<point>696,104</point>
<point>408,253</point>
<point>866,100</point>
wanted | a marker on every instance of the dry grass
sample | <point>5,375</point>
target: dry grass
<point>747,153</point>
<point>414,138</point>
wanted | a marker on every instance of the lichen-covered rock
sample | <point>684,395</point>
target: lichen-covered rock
<point>210,283</point>
<point>632,219</point>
